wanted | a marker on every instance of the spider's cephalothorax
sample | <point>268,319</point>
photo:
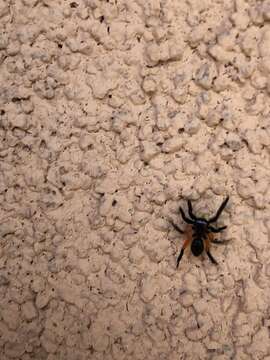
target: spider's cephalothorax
<point>201,234</point>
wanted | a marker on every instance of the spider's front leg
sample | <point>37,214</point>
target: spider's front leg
<point>185,218</point>
<point>190,211</point>
<point>221,208</point>
<point>176,227</point>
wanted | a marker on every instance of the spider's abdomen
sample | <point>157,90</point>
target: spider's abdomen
<point>197,247</point>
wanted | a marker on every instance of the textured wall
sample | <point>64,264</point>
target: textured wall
<point>112,114</point>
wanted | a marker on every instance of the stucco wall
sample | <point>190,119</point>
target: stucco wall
<point>112,114</point>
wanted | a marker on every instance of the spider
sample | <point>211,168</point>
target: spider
<point>200,233</point>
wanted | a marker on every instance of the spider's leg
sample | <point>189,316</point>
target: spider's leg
<point>211,258</point>
<point>220,242</point>
<point>190,212</point>
<point>182,252</point>
<point>179,257</point>
<point>176,227</point>
<point>207,248</point>
<point>187,220</point>
<point>216,230</point>
<point>222,206</point>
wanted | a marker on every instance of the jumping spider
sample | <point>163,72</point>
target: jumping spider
<point>200,233</point>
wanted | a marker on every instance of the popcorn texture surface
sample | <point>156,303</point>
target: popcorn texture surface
<point>112,114</point>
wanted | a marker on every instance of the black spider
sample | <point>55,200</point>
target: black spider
<point>200,232</point>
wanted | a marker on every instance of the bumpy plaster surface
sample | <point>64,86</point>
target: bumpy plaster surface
<point>112,113</point>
